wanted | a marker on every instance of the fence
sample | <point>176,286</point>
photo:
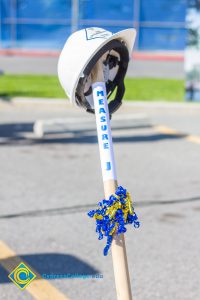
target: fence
<point>45,24</point>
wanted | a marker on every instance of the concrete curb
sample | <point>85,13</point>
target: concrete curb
<point>35,103</point>
<point>51,102</point>
<point>163,104</point>
<point>63,125</point>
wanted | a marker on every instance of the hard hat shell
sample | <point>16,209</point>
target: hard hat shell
<point>79,50</point>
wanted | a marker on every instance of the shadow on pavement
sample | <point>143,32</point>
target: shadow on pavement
<point>16,134</point>
<point>5,97</point>
<point>47,263</point>
<point>86,207</point>
<point>15,130</point>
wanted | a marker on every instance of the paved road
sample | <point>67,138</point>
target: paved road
<point>47,186</point>
<point>48,65</point>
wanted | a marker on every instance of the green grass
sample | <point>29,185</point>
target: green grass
<point>154,89</point>
<point>30,86</point>
<point>49,87</point>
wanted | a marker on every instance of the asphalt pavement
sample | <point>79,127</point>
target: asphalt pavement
<point>48,184</point>
<point>13,64</point>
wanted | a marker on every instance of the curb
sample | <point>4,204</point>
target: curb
<point>178,57</point>
<point>163,104</point>
<point>52,102</point>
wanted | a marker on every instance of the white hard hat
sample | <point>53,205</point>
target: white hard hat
<point>80,54</point>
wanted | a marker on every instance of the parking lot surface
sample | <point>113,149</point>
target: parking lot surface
<point>47,185</point>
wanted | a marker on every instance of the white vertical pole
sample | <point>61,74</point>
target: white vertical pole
<point>75,15</point>
<point>192,52</point>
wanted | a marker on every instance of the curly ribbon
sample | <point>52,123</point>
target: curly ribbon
<point>112,216</point>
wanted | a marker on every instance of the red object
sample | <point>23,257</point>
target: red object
<point>55,53</point>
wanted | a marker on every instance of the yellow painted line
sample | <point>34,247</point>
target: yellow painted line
<point>166,130</point>
<point>193,139</point>
<point>39,288</point>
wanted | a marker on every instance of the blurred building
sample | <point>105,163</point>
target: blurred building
<point>45,24</point>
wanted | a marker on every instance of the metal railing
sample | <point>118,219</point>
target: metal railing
<point>13,22</point>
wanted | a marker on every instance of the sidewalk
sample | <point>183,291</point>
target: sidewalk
<point>65,103</point>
